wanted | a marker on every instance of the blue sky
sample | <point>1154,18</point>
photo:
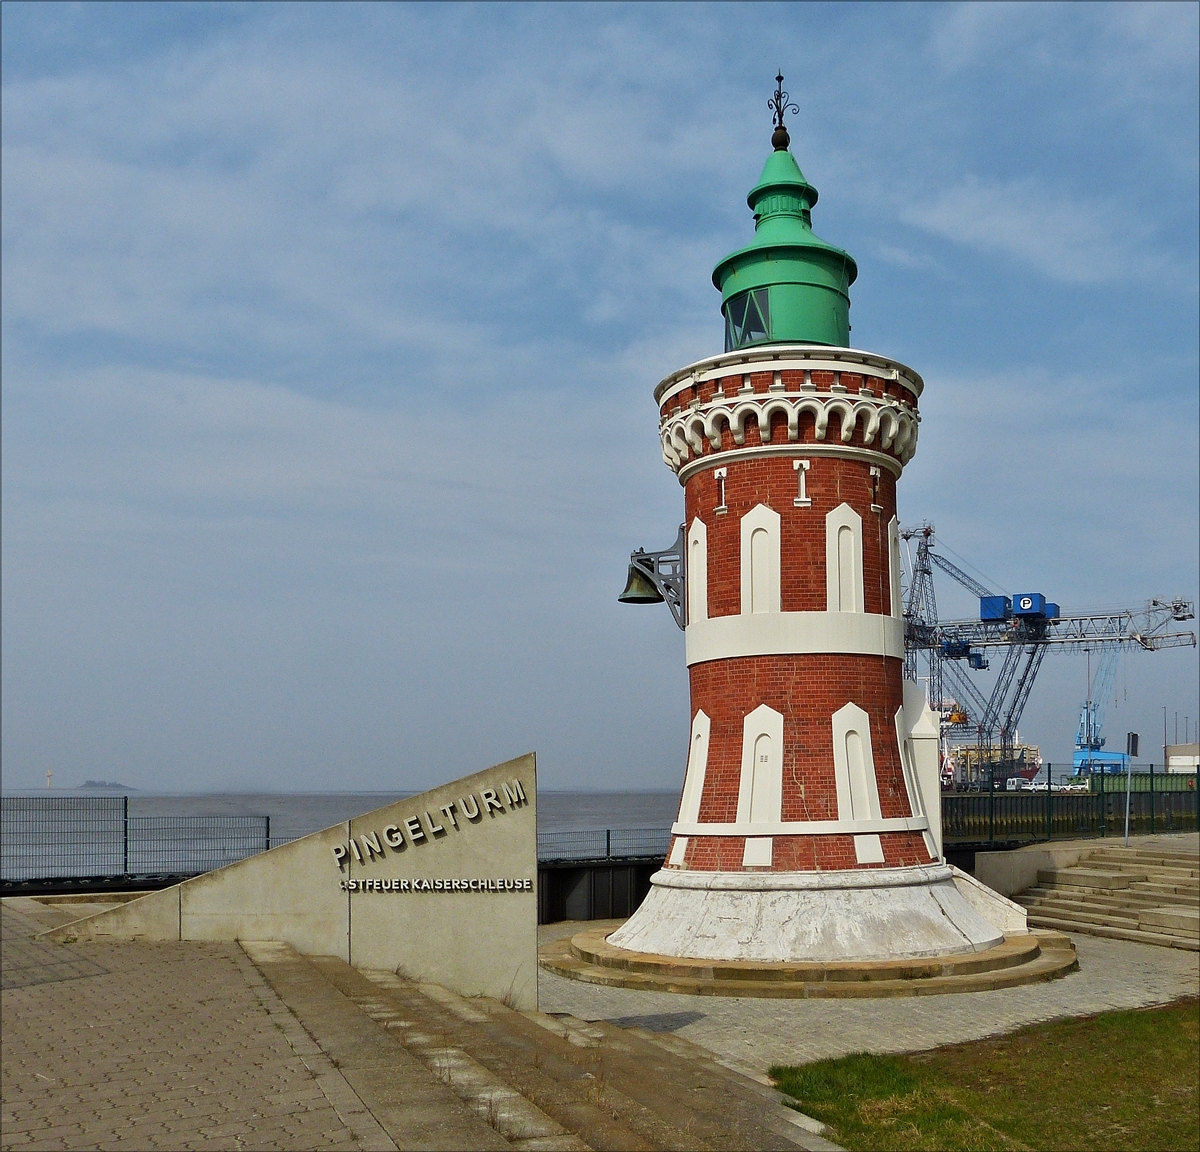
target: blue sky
<point>330,332</point>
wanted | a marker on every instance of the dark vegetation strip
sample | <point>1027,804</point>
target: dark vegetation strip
<point>1119,1080</point>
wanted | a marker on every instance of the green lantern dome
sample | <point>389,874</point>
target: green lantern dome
<point>788,286</point>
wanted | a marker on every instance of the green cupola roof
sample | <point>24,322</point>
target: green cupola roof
<point>788,286</point>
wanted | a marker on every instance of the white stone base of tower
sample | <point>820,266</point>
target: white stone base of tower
<point>782,917</point>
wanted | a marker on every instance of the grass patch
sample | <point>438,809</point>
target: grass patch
<point>1120,1080</point>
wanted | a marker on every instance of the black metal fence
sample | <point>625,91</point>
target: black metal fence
<point>83,837</point>
<point>1020,817</point>
<point>95,836</point>
<point>597,874</point>
<point>603,844</point>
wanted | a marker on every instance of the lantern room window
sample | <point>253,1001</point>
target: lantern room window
<point>747,319</point>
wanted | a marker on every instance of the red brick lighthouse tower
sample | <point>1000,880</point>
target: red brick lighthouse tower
<point>809,823</point>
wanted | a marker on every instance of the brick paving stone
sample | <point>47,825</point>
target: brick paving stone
<point>147,1045</point>
<point>754,1034</point>
<point>190,1045</point>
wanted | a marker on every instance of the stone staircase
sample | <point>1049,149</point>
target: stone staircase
<point>438,1070</point>
<point>1149,895</point>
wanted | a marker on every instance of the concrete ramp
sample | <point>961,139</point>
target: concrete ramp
<point>441,887</point>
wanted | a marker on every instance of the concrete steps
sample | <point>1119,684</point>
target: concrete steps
<point>1184,922</point>
<point>1072,925</point>
<point>1181,873</point>
<point>1083,914</point>
<point>1151,897</point>
<point>1084,897</point>
<point>1018,960</point>
<point>1186,891</point>
<point>1121,855</point>
<point>499,1078</point>
<point>1127,898</point>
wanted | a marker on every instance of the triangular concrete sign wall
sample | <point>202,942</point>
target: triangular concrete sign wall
<point>441,887</point>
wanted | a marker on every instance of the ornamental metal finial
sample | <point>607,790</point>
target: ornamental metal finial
<point>779,105</point>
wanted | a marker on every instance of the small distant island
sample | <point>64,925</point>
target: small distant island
<point>106,785</point>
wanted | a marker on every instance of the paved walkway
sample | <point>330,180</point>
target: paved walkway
<point>216,1046</point>
<point>148,1046</point>
<point>758,1033</point>
<point>187,1045</point>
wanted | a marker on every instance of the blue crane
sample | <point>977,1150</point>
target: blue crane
<point>1089,756</point>
<point>946,646</point>
<point>1026,627</point>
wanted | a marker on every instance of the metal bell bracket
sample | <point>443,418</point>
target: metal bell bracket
<point>665,570</point>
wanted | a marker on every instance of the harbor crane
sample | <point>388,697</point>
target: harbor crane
<point>1089,744</point>
<point>1024,627</point>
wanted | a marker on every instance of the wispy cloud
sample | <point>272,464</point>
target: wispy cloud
<point>1074,486</point>
<point>1062,237</point>
<point>329,336</point>
<point>1135,48</point>
<point>1035,472</point>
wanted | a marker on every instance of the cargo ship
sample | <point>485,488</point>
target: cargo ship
<point>968,767</point>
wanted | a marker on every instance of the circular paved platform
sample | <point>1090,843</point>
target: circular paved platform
<point>1022,959</point>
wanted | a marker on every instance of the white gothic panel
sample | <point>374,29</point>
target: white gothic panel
<point>843,560</point>
<point>760,560</point>
<point>854,776</point>
<point>894,566</point>
<point>760,795</point>
<point>697,572</point>
<point>912,783</point>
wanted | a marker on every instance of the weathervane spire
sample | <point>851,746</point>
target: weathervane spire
<point>779,104</point>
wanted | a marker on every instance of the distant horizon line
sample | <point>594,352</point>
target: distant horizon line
<point>319,792</point>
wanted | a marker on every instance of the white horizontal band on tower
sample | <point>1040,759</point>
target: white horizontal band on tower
<point>907,876</point>
<point>794,634</point>
<point>804,827</point>
<point>804,449</point>
<point>784,358</point>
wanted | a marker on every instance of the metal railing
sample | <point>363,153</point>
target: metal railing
<point>1002,817</point>
<point>95,836</point>
<point>193,843</point>
<point>603,844</point>
<point>65,837</point>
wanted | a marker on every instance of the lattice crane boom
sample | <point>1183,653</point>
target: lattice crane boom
<point>1026,635</point>
<point>968,582</point>
<point>1147,630</point>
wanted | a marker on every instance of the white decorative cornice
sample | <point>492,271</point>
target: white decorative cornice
<point>717,461</point>
<point>803,827</point>
<point>684,433</point>
<point>794,634</point>
<point>790,357</point>
<point>915,875</point>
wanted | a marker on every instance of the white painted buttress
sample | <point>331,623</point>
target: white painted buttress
<point>854,775</point>
<point>693,782</point>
